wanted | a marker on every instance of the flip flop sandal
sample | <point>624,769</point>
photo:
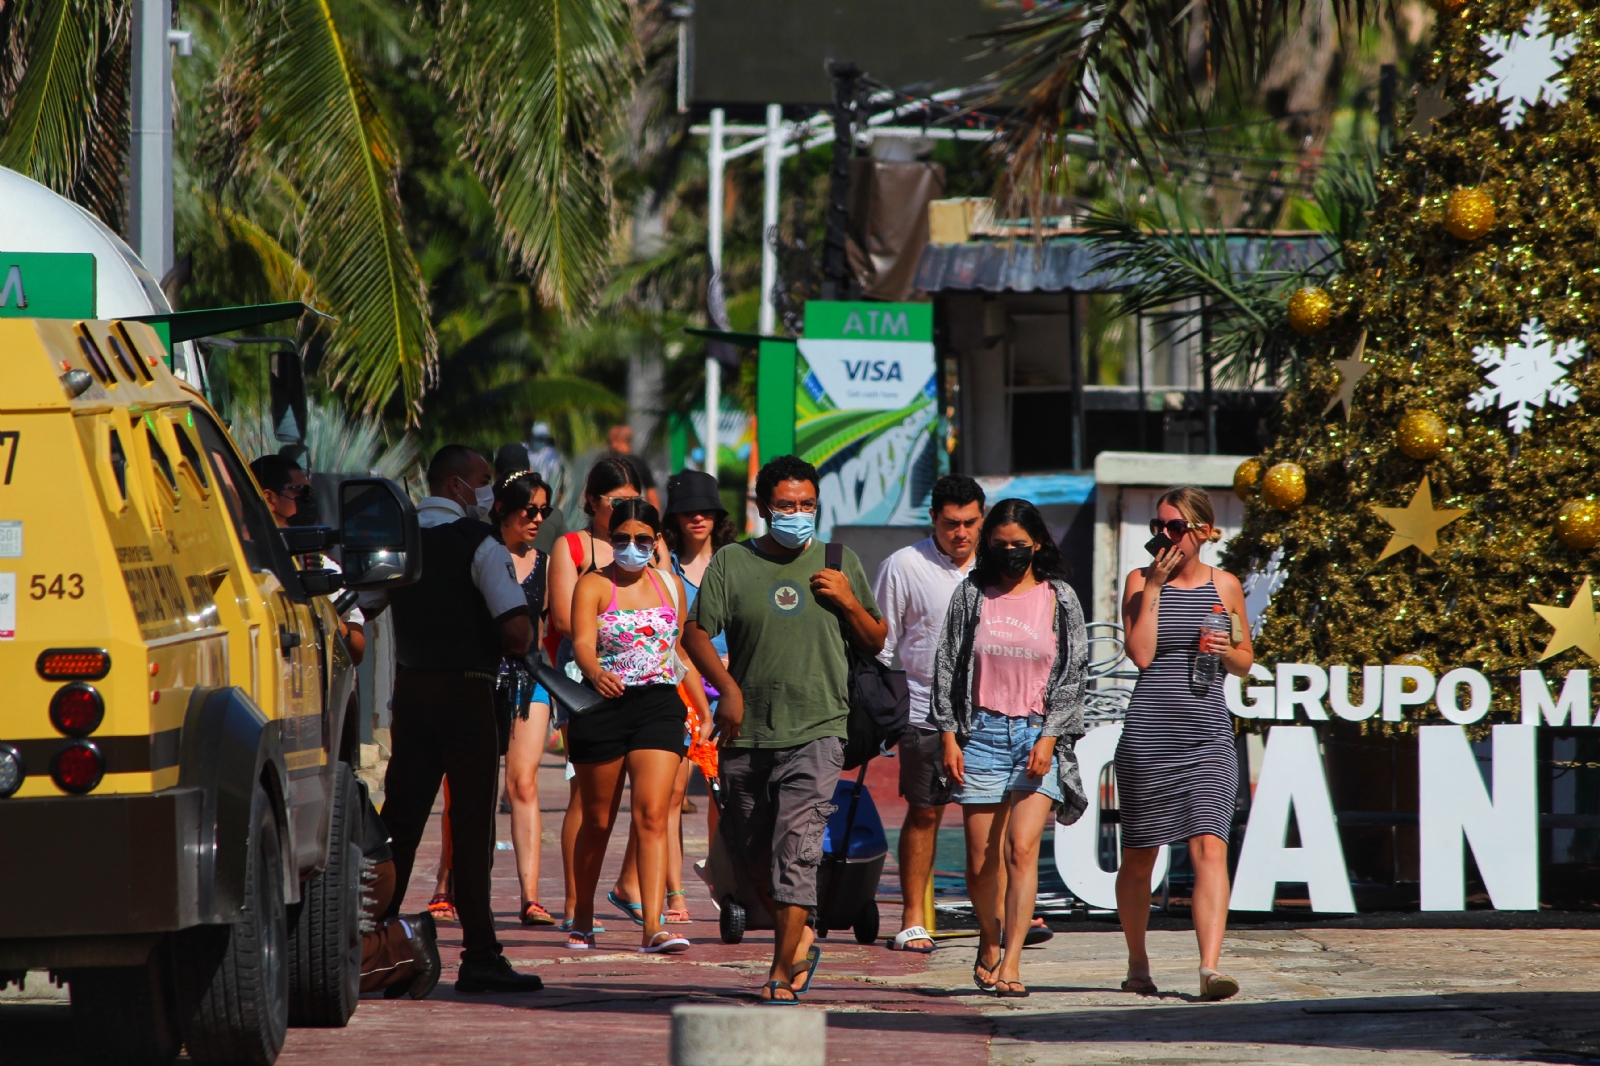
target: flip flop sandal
<point>566,926</point>
<point>1019,992</point>
<point>902,940</point>
<point>673,945</point>
<point>677,915</point>
<point>1217,986</point>
<point>771,998</point>
<point>977,964</point>
<point>1140,986</point>
<point>808,966</point>
<point>534,914</point>
<point>632,910</point>
<point>585,941</point>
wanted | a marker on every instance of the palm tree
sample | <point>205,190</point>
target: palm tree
<point>293,167</point>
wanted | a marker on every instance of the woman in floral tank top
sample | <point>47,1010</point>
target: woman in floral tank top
<point>626,621</point>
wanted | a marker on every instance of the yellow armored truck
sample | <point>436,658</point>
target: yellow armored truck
<point>179,820</point>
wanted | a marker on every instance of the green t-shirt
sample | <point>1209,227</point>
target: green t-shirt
<point>785,648</point>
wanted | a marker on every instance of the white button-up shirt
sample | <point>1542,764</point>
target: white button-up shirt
<point>913,590</point>
<point>492,569</point>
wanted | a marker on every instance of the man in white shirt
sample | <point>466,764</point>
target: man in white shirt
<point>913,589</point>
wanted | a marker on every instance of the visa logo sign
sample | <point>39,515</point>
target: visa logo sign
<point>873,370</point>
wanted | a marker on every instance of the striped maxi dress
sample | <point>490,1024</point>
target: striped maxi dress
<point>1177,774</point>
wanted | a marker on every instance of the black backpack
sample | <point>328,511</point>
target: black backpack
<point>880,700</point>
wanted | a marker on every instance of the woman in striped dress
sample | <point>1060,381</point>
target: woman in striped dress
<point>1177,775</point>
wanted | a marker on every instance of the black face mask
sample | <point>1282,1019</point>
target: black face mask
<point>305,511</point>
<point>1014,562</point>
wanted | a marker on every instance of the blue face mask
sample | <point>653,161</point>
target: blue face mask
<point>793,530</point>
<point>632,558</point>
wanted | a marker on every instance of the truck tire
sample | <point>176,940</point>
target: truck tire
<point>232,981</point>
<point>325,929</point>
<point>124,1015</point>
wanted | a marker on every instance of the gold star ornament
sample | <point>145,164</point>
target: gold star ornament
<point>1575,626</point>
<point>1417,524</point>
<point>1431,107</point>
<point>1351,371</point>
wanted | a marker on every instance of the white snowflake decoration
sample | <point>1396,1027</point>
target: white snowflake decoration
<point>1526,67</point>
<point>1521,376</point>
<point>1259,588</point>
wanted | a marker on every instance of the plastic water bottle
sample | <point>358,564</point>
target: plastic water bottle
<point>1203,671</point>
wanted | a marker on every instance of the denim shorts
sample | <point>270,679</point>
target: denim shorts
<point>995,759</point>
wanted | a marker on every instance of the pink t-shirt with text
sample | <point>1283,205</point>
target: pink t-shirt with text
<point>1015,646</point>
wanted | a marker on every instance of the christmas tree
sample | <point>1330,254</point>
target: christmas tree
<point>1430,496</point>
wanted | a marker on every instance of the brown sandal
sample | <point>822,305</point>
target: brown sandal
<point>1140,986</point>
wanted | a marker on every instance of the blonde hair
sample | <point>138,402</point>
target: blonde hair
<point>1195,506</point>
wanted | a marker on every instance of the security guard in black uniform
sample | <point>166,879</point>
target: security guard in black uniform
<point>451,629</point>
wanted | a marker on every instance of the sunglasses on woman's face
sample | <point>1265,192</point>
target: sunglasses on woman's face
<point>646,541</point>
<point>537,512</point>
<point>1174,529</point>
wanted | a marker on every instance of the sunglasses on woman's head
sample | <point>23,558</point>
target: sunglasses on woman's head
<point>1174,529</point>
<point>646,541</point>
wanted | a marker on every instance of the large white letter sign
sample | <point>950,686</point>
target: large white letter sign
<point>1261,698</point>
<point>1078,844</point>
<point>1537,704</point>
<point>1449,685</point>
<point>1291,777</point>
<point>1310,697</point>
<point>1503,833</point>
<point>1395,696</point>
<point>1339,692</point>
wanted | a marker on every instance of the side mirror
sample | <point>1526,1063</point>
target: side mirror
<point>378,527</point>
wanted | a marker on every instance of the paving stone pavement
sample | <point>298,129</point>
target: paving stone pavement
<point>1311,995</point>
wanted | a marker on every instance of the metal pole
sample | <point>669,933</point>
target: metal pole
<point>714,166</point>
<point>772,164</point>
<point>150,177</point>
<point>835,264</point>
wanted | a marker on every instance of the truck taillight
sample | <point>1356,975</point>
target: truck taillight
<point>77,710</point>
<point>78,767</point>
<point>12,770</point>
<point>73,664</point>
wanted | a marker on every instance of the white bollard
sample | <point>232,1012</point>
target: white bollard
<point>749,1036</point>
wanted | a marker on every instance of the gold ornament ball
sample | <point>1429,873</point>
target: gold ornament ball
<point>1310,311</point>
<point>1246,478</point>
<point>1421,435</point>
<point>1469,214</point>
<point>1578,524</point>
<point>1284,486</point>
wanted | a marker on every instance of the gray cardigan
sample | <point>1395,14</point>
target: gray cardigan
<point>952,708</point>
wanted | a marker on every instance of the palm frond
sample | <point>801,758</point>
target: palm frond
<point>320,126</point>
<point>1189,277</point>
<point>1138,70</point>
<point>51,127</point>
<point>1347,191</point>
<point>539,85</point>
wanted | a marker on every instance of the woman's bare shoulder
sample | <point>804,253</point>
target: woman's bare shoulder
<point>1225,581</point>
<point>1135,578</point>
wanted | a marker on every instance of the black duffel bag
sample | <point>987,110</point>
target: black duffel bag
<point>880,699</point>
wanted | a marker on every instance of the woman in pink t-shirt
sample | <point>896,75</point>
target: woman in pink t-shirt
<point>1007,695</point>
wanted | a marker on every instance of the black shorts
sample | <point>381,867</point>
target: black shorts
<point>645,717</point>
<point>922,779</point>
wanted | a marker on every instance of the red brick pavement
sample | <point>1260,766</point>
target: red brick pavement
<point>614,1005</point>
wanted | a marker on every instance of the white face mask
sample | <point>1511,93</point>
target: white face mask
<point>483,499</point>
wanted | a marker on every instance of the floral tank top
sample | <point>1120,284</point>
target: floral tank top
<point>637,645</point>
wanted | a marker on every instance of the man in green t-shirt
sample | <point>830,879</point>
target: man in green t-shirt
<point>784,700</point>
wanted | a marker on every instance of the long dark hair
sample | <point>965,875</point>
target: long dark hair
<point>608,474</point>
<point>722,532</point>
<point>638,509</point>
<point>513,493</point>
<point>1047,561</point>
